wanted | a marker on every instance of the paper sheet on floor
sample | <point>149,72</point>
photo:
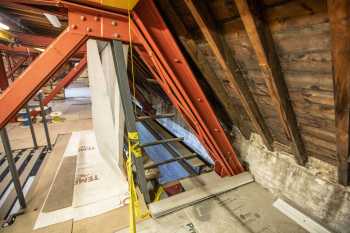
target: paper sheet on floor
<point>97,188</point>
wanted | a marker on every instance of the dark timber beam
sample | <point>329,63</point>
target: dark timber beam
<point>226,60</point>
<point>4,83</point>
<point>261,39</point>
<point>339,15</point>
<point>208,73</point>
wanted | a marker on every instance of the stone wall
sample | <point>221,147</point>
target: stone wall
<point>312,189</point>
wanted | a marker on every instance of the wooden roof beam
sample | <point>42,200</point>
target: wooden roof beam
<point>226,60</point>
<point>339,15</point>
<point>199,59</point>
<point>261,39</point>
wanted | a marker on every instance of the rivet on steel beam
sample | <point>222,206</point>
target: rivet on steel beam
<point>82,18</point>
<point>96,18</point>
<point>216,130</point>
<point>88,29</point>
<point>116,35</point>
<point>199,99</point>
<point>177,60</point>
<point>114,23</point>
<point>74,26</point>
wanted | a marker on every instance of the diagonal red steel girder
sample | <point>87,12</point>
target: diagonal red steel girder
<point>68,79</point>
<point>63,83</point>
<point>180,79</point>
<point>156,47</point>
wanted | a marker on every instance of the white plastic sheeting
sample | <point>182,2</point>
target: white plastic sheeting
<point>107,111</point>
<point>97,189</point>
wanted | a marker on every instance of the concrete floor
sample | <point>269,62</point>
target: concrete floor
<point>247,209</point>
<point>76,116</point>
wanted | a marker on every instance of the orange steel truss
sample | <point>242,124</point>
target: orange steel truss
<point>156,46</point>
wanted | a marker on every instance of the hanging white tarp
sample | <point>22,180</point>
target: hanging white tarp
<point>107,111</point>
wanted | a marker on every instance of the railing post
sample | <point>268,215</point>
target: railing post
<point>31,127</point>
<point>12,167</point>
<point>43,116</point>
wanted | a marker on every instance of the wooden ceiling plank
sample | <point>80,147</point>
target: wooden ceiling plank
<point>224,56</point>
<point>13,23</point>
<point>36,2</point>
<point>32,9</point>
<point>339,15</point>
<point>261,39</point>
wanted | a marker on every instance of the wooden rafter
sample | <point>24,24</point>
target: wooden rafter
<point>4,83</point>
<point>339,15</point>
<point>199,59</point>
<point>261,39</point>
<point>226,60</point>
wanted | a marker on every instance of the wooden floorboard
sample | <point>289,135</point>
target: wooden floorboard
<point>61,193</point>
<point>185,199</point>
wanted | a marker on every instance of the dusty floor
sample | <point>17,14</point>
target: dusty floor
<point>247,209</point>
<point>76,116</point>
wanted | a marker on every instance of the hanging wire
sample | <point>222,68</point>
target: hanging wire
<point>131,55</point>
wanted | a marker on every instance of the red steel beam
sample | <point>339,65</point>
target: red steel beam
<point>84,23</point>
<point>17,49</point>
<point>63,83</point>
<point>37,74</point>
<point>33,40</point>
<point>160,52</point>
<point>4,83</point>
<point>189,98</point>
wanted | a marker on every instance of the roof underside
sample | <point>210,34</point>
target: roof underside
<point>301,34</point>
<point>302,40</point>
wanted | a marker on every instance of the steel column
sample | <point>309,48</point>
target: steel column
<point>123,83</point>
<point>43,116</point>
<point>32,131</point>
<point>12,167</point>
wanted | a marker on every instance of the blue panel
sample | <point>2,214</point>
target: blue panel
<point>168,172</point>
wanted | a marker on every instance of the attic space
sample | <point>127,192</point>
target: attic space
<point>186,116</point>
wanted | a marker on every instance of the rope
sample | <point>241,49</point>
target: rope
<point>133,150</point>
